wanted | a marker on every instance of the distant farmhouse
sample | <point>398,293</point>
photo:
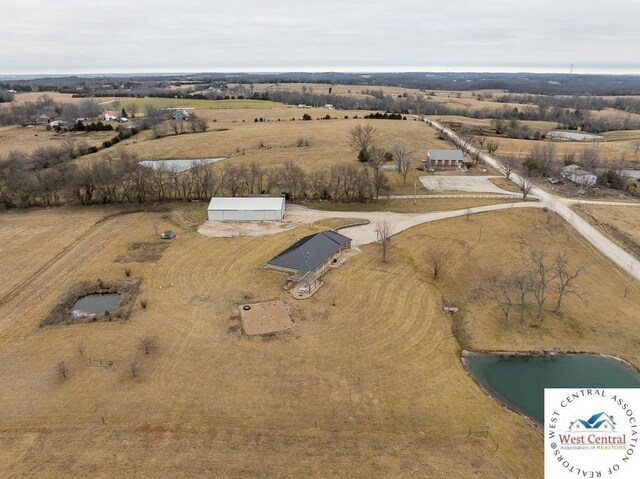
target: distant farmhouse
<point>261,208</point>
<point>46,117</point>
<point>313,253</point>
<point>579,176</point>
<point>444,160</point>
<point>109,116</point>
<point>180,115</point>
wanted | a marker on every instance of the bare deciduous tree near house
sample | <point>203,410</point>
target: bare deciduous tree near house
<point>439,258</point>
<point>361,139</point>
<point>566,278</point>
<point>492,146</point>
<point>384,232</point>
<point>543,275</point>
<point>402,155</point>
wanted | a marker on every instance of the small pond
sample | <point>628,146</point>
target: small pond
<point>519,381</point>
<point>95,304</point>
<point>574,135</point>
<point>178,165</point>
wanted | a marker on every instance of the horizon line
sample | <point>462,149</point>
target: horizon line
<point>334,69</point>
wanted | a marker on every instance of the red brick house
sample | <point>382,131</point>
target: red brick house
<point>444,160</point>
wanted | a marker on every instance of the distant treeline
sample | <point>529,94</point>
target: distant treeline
<point>538,84</point>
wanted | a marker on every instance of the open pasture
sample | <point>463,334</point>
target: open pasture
<point>381,368</point>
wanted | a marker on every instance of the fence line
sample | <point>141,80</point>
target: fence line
<point>430,197</point>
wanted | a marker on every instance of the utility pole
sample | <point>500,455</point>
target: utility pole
<point>415,191</point>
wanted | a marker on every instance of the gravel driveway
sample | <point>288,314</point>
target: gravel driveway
<point>474,184</point>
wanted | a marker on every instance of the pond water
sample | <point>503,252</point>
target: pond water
<point>574,135</point>
<point>95,304</point>
<point>519,381</point>
<point>178,165</point>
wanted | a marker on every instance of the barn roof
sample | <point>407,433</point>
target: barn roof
<point>445,155</point>
<point>310,252</point>
<point>259,203</point>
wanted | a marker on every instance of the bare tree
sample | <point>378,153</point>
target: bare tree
<point>133,109</point>
<point>62,370</point>
<point>589,158</point>
<point>465,133</point>
<point>148,344</point>
<point>384,232</point>
<point>402,155</point>
<point>361,139</point>
<point>566,278</point>
<point>508,166</point>
<point>500,289</point>
<point>525,186</point>
<point>524,283</point>
<point>542,155</point>
<point>377,157</point>
<point>543,275</point>
<point>439,258</point>
<point>492,146</point>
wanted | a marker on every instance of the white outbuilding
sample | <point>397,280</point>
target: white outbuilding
<point>261,208</point>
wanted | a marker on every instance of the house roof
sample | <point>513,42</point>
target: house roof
<point>445,155</point>
<point>310,252</point>
<point>576,170</point>
<point>259,203</point>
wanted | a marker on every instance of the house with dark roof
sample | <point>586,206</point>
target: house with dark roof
<point>444,160</point>
<point>311,255</point>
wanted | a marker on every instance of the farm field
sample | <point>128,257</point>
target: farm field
<point>58,97</point>
<point>141,103</point>
<point>620,223</point>
<point>26,140</point>
<point>366,384</point>
<point>272,143</point>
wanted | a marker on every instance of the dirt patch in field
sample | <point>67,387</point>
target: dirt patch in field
<point>143,253</point>
<point>61,313</point>
<point>268,317</point>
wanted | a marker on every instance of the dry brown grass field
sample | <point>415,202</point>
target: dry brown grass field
<point>272,143</point>
<point>58,97</point>
<point>372,387</point>
<point>26,140</point>
<point>620,223</point>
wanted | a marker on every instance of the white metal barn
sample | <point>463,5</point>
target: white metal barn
<point>246,209</point>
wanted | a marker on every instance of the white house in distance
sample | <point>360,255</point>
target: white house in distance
<point>259,208</point>
<point>579,176</point>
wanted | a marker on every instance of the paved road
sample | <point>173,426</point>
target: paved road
<point>615,253</point>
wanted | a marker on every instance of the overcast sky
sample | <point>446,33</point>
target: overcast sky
<point>106,36</point>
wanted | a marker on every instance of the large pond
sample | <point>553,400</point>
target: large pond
<point>519,381</point>
<point>574,135</point>
<point>178,165</point>
<point>95,304</point>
